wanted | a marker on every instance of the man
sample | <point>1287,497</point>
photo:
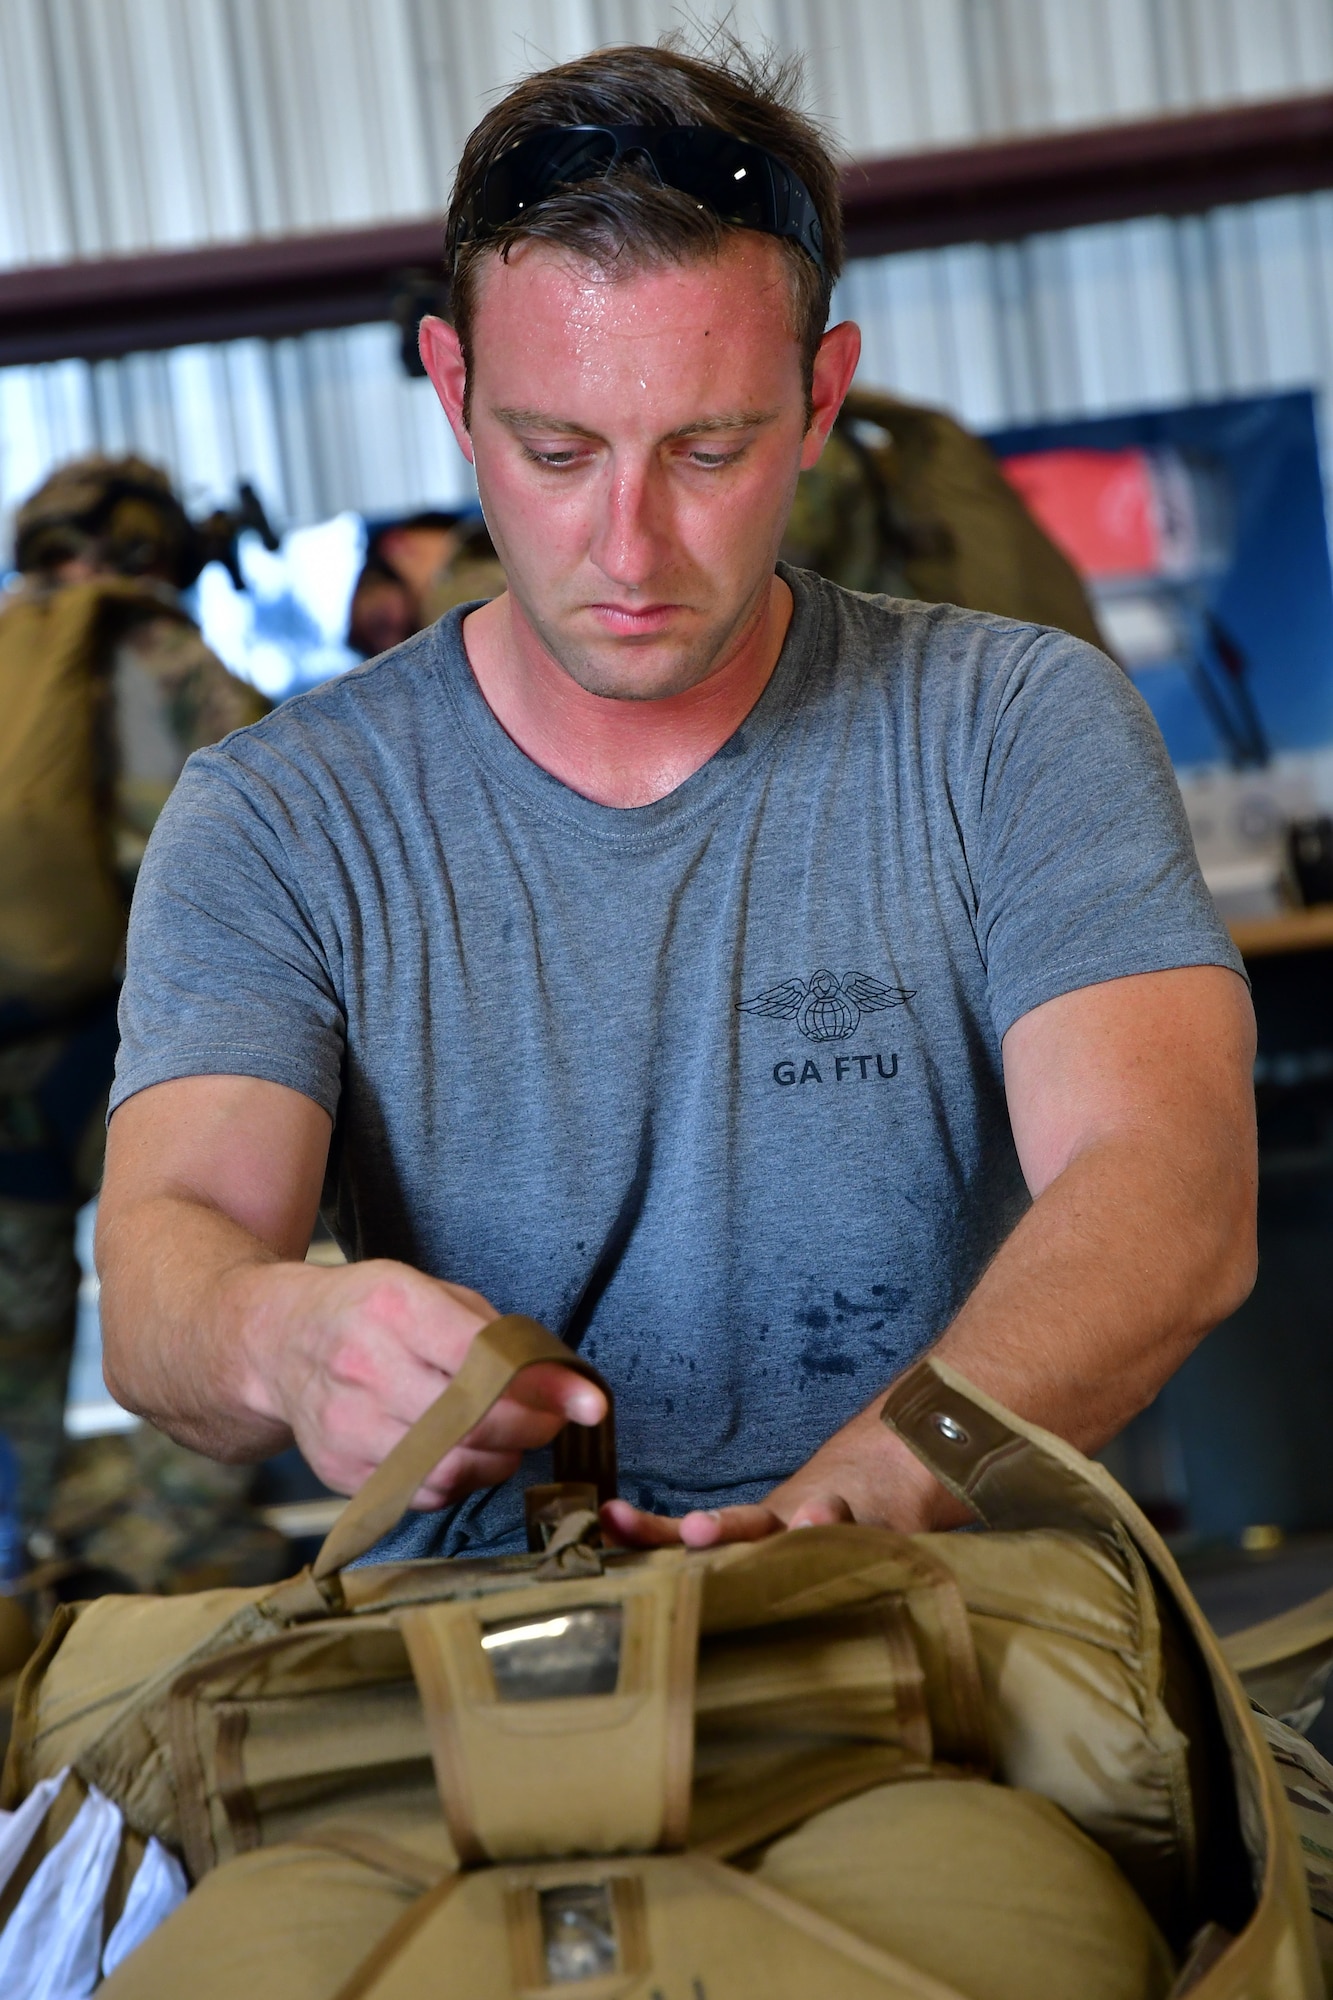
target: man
<point>106,687</point>
<point>754,981</point>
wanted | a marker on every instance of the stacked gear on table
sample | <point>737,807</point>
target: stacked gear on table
<point>971,1766</point>
<point>106,687</point>
<point>907,502</point>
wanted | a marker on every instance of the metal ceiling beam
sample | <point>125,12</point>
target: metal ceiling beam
<point>1001,190</point>
<point>268,286</point>
<point>995,191</point>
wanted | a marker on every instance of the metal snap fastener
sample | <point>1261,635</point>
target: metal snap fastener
<point>949,1428</point>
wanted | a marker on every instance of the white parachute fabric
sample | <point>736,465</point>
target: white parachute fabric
<point>158,1887</point>
<point>18,1828</point>
<point>51,1948</point>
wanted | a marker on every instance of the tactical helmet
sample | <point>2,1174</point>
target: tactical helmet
<point>119,513</point>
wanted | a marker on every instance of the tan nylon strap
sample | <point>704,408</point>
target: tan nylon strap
<point>601,1774</point>
<point>498,1353</point>
<point>1018,1476</point>
<point>1014,1475</point>
<point>375,1850</point>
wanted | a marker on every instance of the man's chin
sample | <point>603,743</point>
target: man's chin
<point>633,669</point>
<point>623,684</point>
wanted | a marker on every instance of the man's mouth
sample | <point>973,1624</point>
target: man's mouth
<point>634,621</point>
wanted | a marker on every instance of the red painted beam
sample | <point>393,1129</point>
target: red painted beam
<point>226,291</point>
<point>995,191</point>
<point>1000,190</point>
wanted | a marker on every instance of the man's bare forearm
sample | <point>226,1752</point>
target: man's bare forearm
<point>1104,1288</point>
<point>217,1329</point>
<point>179,1300</point>
<point>1110,1280</point>
<point>210,1194</point>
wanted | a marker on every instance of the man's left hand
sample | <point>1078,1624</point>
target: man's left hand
<point>864,1473</point>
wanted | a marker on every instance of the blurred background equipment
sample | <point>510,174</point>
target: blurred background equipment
<point>1200,534</point>
<point>100,516</point>
<point>1152,527</point>
<point>106,687</point>
<point>415,570</point>
<point>1310,848</point>
<point>905,500</point>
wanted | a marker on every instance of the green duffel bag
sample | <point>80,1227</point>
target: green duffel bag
<point>843,1760</point>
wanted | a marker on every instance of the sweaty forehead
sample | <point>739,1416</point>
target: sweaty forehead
<point>545,303</point>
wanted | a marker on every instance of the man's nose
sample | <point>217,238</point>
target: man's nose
<point>629,534</point>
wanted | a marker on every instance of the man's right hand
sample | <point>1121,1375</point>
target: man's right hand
<point>216,1329</point>
<point>364,1349</point>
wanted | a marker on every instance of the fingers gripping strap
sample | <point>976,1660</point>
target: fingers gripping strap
<point>498,1353</point>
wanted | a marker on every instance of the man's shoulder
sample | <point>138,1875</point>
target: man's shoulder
<point>390,702</point>
<point>933,650</point>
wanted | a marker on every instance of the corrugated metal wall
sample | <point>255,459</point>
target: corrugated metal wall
<point>128,124</point>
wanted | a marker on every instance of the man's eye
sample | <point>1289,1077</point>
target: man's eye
<point>556,457</point>
<point>713,461</point>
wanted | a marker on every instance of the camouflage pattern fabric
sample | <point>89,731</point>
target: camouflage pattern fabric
<point>39,1284</point>
<point>117,513</point>
<point>171,696</point>
<point>842,522</point>
<point>1307,1780</point>
<point>906,502</point>
<point>146,1514</point>
<point>53,1091</point>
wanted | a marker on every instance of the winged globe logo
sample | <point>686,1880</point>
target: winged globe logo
<point>824,1007</point>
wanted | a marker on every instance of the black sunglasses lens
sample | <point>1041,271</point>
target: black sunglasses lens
<point>534,169</point>
<point>739,182</point>
<point>730,176</point>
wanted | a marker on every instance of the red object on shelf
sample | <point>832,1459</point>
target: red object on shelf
<point>1100,507</point>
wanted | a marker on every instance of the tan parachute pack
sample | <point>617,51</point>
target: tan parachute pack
<point>62,911</point>
<point>974,1766</point>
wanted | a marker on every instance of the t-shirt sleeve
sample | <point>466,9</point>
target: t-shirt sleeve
<point>1084,866</point>
<point>226,973</point>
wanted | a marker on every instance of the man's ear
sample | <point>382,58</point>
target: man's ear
<point>442,359</point>
<point>835,364</point>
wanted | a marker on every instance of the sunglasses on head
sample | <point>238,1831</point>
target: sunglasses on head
<point>742,184</point>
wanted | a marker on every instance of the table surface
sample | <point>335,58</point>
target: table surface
<point>1293,930</point>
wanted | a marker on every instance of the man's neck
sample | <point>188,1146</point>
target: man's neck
<point>617,752</point>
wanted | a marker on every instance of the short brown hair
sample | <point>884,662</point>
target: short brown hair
<point>625,218</point>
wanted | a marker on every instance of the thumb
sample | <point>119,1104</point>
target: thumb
<point>584,1402</point>
<point>821,1510</point>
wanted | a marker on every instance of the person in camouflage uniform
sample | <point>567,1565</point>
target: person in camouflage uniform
<point>107,687</point>
<point>907,502</point>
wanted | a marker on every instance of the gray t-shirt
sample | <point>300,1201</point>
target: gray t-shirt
<point>734,1056</point>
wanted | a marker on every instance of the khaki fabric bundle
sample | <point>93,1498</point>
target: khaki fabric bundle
<point>62,913</point>
<point>1285,1665</point>
<point>957,1889</point>
<point>905,501</point>
<point>728,1767</point>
